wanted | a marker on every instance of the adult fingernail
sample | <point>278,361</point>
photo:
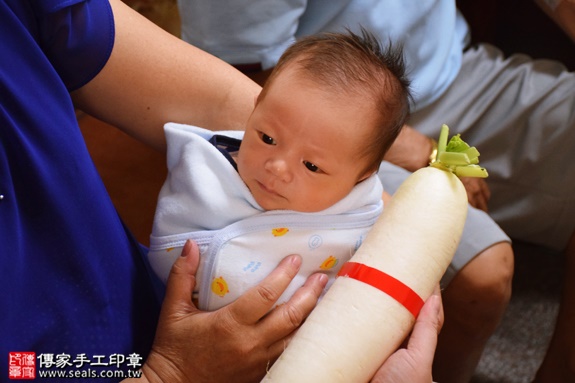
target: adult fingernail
<point>295,260</point>
<point>187,248</point>
<point>323,278</point>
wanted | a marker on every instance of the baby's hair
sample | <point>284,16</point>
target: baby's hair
<point>358,66</point>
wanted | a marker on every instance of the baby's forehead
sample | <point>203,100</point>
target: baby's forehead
<point>355,99</point>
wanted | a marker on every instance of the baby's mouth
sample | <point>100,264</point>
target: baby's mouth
<point>267,189</point>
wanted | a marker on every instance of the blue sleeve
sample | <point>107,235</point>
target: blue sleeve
<point>73,278</point>
<point>77,36</point>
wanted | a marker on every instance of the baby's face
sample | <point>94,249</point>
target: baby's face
<point>301,149</point>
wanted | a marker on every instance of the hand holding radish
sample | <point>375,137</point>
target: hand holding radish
<point>413,363</point>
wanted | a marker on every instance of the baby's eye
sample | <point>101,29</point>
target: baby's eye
<point>267,139</point>
<point>311,167</point>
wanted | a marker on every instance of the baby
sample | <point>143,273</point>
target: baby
<point>301,179</point>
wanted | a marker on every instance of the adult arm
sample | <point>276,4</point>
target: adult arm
<point>235,343</point>
<point>562,12</point>
<point>411,150</point>
<point>153,77</point>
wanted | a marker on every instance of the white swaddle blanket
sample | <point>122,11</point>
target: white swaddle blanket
<point>204,199</point>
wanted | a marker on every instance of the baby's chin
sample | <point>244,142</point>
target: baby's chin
<point>269,205</point>
<point>280,202</point>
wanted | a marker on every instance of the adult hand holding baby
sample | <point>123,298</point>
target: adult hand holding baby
<point>206,346</point>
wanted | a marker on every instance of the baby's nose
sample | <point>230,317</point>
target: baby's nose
<point>279,168</point>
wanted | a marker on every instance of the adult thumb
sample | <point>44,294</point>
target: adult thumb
<point>182,278</point>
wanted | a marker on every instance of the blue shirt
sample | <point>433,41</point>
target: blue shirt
<point>72,278</point>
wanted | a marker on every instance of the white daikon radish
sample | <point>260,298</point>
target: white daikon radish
<point>370,309</point>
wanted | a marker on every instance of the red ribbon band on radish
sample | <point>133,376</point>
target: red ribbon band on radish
<point>384,282</point>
